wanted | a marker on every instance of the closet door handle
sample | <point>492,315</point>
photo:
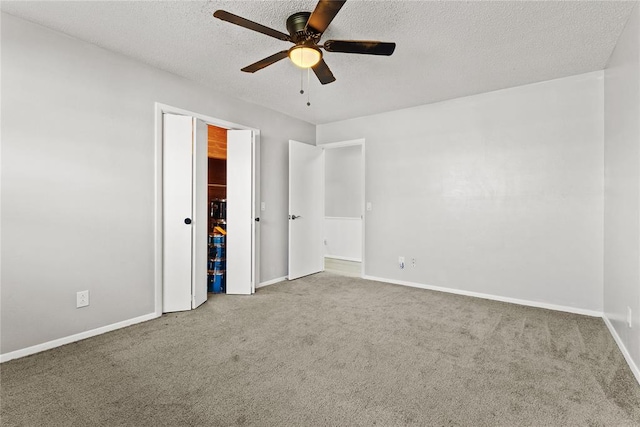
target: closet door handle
<point>187,221</point>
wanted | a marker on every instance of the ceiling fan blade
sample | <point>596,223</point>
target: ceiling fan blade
<point>323,72</point>
<point>360,46</point>
<point>265,62</point>
<point>235,19</point>
<point>323,14</point>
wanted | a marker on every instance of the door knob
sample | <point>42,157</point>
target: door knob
<point>295,216</point>
<point>257,219</point>
<point>187,221</point>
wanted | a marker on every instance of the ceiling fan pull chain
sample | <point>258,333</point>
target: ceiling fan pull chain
<point>308,87</point>
<point>301,81</point>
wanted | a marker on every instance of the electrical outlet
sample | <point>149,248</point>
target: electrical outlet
<point>82,299</point>
<point>629,317</point>
<point>401,262</point>
<point>413,262</point>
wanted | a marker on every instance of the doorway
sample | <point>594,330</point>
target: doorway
<point>326,208</point>
<point>217,208</point>
<point>344,208</point>
<point>239,190</point>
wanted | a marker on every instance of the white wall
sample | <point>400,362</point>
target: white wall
<point>343,238</point>
<point>622,188</point>
<point>499,193</point>
<point>343,181</point>
<point>78,181</point>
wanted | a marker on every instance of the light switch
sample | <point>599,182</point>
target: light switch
<point>263,206</point>
<point>368,206</point>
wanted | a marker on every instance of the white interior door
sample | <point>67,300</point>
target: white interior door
<point>240,239</point>
<point>177,208</point>
<point>199,226</point>
<point>255,248</point>
<point>306,209</point>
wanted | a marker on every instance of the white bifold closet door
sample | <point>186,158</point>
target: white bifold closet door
<point>184,200</point>
<point>241,225</point>
<point>306,209</point>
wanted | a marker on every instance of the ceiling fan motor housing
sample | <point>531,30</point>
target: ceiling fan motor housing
<point>296,25</point>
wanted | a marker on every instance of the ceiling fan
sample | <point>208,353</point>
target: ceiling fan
<point>305,30</point>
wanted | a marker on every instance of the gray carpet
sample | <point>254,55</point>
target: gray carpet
<point>331,350</point>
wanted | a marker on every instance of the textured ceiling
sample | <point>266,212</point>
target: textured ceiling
<point>444,49</point>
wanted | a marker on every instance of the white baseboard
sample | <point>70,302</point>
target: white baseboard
<point>343,258</point>
<point>73,338</point>
<point>271,282</point>
<point>528,303</point>
<point>623,349</point>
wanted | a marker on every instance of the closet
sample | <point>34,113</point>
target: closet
<point>209,191</point>
<point>217,203</point>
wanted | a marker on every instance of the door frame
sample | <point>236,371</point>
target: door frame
<point>363,203</point>
<point>159,110</point>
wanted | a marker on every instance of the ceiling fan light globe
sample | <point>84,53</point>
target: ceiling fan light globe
<point>305,56</point>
